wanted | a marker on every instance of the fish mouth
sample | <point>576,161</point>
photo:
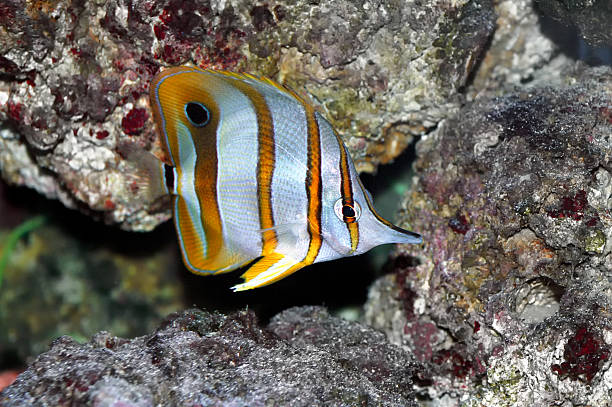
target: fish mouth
<point>403,236</point>
<point>412,235</point>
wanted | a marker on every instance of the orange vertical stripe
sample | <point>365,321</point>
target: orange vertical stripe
<point>265,163</point>
<point>205,141</point>
<point>313,193</point>
<point>346,189</point>
<point>313,186</point>
<point>185,86</point>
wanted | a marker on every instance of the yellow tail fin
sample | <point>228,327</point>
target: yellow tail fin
<point>267,270</point>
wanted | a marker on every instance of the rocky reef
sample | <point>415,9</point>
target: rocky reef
<point>507,302</point>
<point>591,18</point>
<point>304,357</point>
<point>74,79</point>
<point>509,299</point>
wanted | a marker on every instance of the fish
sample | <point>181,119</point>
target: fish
<point>257,177</point>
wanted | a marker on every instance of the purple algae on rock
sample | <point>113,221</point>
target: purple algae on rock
<point>512,196</point>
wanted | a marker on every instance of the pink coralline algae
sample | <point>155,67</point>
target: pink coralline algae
<point>134,121</point>
<point>66,65</point>
<point>423,335</point>
<point>14,111</point>
<point>584,354</point>
<point>406,295</point>
<point>459,224</point>
<point>101,135</point>
<point>456,364</point>
<point>606,113</point>
<point>183,33</point>
<point>571,207</point>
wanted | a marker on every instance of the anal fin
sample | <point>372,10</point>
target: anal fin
<point>267,270</point>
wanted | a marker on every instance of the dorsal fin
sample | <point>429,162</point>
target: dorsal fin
<point>264,80</point>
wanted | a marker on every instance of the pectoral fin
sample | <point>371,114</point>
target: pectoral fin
<point>289,235</point>
<point>267,270</point>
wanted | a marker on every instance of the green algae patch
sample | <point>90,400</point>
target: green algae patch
<point>595,242</point>
<point>13,237</point>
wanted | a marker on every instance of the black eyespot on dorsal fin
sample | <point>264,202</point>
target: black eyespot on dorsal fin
<point>197,114</point>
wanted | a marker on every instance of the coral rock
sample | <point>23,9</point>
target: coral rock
<point>513,200</point>
<point>592,18</point>
<point>304,358</point>
<point>74,78</point>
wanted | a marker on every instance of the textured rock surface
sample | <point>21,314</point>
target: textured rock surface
<point>304,358</point>
<point>520,53</point>
<point>74,78</point>
<point>591,17</point>
<point>509,303</point>
<point>509,300</point>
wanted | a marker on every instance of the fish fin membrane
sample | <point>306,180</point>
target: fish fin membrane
<point>223,263</point>
<point>149,174</point>
<point>233,266</point>
<point>196,246</point>
<point>259,81</point>
<point>267,270</point>
<point>288,233</point>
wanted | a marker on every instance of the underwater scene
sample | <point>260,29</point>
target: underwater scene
<point>306,203</point>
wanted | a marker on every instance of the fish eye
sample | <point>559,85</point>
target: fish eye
<point>346,211</point>
<point>197,114</point>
